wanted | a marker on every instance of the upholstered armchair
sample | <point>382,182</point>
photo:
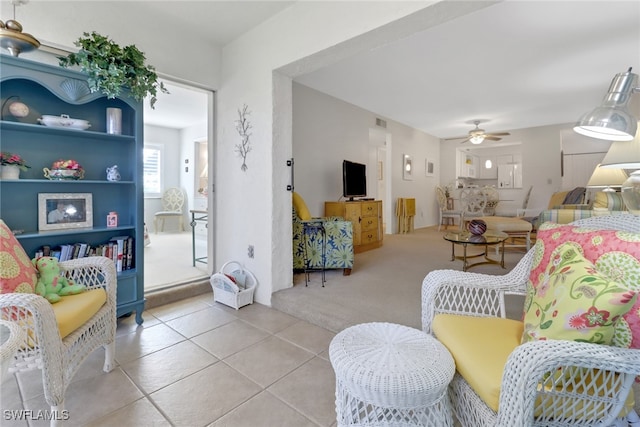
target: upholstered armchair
<point>542,382</point>
<point>336,239</point>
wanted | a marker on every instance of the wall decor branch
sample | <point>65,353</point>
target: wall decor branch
<point>243,126</point>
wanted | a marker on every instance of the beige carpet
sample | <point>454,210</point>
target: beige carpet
<point>168,260</point>
<point>385,284</point>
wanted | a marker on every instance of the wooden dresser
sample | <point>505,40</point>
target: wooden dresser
<point>366,217</point>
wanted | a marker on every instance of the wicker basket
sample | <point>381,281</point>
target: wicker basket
<point>236,294</point>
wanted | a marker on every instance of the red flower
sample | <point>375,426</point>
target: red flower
<point>595,317</point>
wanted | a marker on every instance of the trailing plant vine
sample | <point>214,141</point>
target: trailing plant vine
<point>243,126</point>
<point>110,68</point>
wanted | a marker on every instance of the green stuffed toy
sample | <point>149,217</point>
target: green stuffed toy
<point>51,284</point>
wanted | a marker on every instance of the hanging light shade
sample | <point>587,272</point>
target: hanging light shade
<point>606,178</point>
<point>11,36</point>
<point>612,120</point>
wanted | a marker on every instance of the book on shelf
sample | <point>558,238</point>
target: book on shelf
<point>119,248</point>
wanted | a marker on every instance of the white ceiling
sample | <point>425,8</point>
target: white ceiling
<point>515,64</point>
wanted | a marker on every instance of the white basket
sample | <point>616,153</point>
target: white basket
<point>229,293</point>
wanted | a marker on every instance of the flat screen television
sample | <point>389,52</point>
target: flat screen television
<point>354,180</point>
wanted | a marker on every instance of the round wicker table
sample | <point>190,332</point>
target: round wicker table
<point>391,375</point>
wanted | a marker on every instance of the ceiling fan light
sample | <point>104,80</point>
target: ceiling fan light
<point>477,139</point>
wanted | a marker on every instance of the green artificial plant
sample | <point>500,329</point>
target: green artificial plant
<point>110,68</point>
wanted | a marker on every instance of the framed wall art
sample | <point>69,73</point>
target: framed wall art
<point>407,167</point>
<point>429,167</point>
<point>59,211</point>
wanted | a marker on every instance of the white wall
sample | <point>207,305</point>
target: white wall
<point>327,131</point>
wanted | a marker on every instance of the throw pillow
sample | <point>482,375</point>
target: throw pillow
<point>301,207</point>
<point>574,301</point>
<point>17,274</point>
<point>609,200</point>
<point>616,254</point>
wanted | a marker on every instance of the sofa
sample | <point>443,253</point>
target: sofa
<point>604,203</point>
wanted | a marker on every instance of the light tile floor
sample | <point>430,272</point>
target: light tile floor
<point>197,363</point>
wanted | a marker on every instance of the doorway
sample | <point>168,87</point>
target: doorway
<point>180,129</point>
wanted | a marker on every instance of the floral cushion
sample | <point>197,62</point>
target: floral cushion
<point>574,301</point>
<point>17,274</point>
<point>615,254</point>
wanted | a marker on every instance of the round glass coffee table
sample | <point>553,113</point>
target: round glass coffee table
<point>464,238</point>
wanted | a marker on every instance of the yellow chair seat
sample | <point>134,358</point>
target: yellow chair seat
<point>480,347</point>
<point>73,311</point>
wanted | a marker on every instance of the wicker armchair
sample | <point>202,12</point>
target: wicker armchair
<point>522,401</point>
<point>43,348</point>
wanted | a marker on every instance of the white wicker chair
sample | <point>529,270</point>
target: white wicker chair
<point>43,349</point>
<point>172,203</point>
<point>473,294</point>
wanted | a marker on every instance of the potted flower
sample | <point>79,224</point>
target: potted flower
<point>110,68</point>
<point>11,164</point>
<point>64,169</point>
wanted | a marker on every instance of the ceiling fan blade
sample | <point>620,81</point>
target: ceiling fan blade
<point>492,138</point>
<point>453,139</point>
<point>465,140</point>
<point>499,133</point>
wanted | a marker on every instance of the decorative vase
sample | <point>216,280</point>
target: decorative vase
<point>9,172</point>
<point>114,121</point>
<point>63,174</point>
<point>631,193</point>
<point>477,227</point>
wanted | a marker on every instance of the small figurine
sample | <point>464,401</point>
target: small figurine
<point>113,174</point>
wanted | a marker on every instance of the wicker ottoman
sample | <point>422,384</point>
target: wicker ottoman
<point>389,374</point>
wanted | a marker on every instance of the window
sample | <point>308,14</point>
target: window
<point>152,176</point>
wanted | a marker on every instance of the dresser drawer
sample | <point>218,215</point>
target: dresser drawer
<point>369,209</point>
<point>369,223</point>
<point>369,237</point>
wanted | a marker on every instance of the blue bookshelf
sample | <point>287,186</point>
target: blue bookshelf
<point>51,90</point>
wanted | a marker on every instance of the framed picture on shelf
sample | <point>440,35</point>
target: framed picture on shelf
<point>59,211</point>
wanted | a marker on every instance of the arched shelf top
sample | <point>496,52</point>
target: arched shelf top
<point>68,85</point>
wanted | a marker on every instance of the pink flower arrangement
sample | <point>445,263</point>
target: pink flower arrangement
<point>11,159</point>
<point>66,164</point>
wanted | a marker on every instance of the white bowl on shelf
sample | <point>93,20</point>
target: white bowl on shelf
<point>64,121</point>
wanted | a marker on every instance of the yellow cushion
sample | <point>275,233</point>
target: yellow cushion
<point>480,347</point>
<point>73,311</point>
<point>301,207</point>
<point>557,199</point>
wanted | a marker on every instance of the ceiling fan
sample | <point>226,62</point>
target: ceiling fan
<point>477,135</point>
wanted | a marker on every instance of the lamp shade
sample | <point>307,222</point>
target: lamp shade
<point>623,154</point>
<point>612,120</point>
<point>606,178</point>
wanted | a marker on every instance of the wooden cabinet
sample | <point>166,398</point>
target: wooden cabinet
<point>51,90</point>
<point>366,217</point>
<point>468,165</point>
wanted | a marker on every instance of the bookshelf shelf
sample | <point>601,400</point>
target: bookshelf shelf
<point>40,87</point>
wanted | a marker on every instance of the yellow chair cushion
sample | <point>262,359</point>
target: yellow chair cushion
<point>301,207</point>
<point>480,347</point>
<point>73,311</point>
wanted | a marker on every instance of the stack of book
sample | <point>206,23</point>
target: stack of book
<point>120,249</point>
